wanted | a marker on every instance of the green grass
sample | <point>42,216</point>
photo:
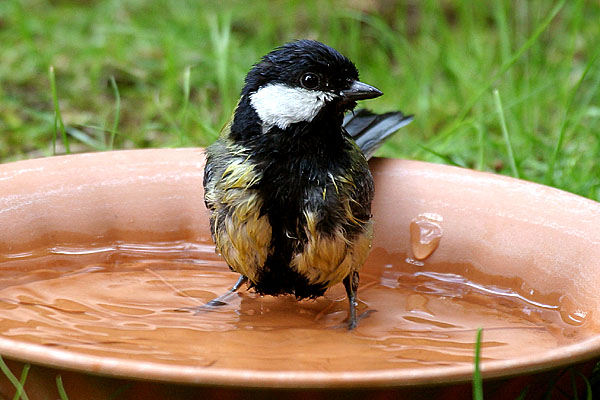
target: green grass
<point>58,121</point>
<point>61,389</point>
<point>477,380</point>
<point>496,85</point>
<point>17,383</point>
<point>132,74</point>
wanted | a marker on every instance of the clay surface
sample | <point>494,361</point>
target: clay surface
<point>101,253</point>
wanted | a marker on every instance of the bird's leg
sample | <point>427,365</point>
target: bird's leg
<point>351,285</point>
<point>220,300</point>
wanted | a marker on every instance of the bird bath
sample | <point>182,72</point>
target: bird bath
<point>100,254</point>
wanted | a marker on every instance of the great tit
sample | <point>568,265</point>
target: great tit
<point>288,188</point>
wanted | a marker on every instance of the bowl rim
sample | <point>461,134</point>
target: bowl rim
<point>67,359</point>
<point>563,356</point>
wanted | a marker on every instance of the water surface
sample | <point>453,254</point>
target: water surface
<point>128,302</point>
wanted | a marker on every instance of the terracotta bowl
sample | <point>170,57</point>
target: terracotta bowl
<point>102,255</point>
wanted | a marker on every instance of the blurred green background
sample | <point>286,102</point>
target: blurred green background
<point>496,85</point>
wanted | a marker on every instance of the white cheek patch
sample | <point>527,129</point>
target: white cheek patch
<point>281,105</point>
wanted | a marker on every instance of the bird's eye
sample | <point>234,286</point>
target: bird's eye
<point>309,80</point>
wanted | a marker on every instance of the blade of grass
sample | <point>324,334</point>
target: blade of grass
<point>477,381</point>
<point>510,62</point>
<point>563,125</point>
<point>552,386</point>
<point>186,102</point>
<point>446,158</point>
<point>574,384</point>
<point>115,88</point>
<point>503,28</point>
<point>61,388</point>
<point>24,374</point>
<point>523,394</point>
<point>505,135</point>
<point>211,132</point>
<point>86,139</point>
<point>588,386</point>
<point>480,145</point>
<point>117,393</point>
<point>505,67</point>
<point>166,115</point>
<point>58,121</point>
<point>220,35</point>
<point>13,379</point>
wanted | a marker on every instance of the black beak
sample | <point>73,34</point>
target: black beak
<point>360,91</point>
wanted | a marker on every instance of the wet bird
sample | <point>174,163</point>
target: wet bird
<point>287,183</point>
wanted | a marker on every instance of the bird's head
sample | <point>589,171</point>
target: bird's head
<point>300,80</point>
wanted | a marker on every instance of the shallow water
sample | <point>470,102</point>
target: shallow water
<point>131,304</point>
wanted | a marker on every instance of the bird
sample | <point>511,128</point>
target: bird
<point>287,183</point>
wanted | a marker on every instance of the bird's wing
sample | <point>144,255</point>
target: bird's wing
<point>370,130</point>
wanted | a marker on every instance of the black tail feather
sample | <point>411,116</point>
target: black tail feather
<point>370,130</point>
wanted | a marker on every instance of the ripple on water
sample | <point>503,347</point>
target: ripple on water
<point>137,308</point>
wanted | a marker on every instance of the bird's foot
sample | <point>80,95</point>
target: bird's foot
<point>217,301</point>
<point>353,322</point>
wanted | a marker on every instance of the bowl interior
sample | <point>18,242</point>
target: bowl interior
<point>105,256</point>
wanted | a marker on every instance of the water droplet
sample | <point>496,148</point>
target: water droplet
<point>412,261</point>
<point>425,234</point>
<point>571,311</point>
<point>432,217</point>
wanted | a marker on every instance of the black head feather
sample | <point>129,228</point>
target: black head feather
<point>287,64</point>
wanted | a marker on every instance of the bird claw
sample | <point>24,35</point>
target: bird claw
<point>352,323</point>
<point>196,310</point>
<point>217,301</point>
<point>209,306</point>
